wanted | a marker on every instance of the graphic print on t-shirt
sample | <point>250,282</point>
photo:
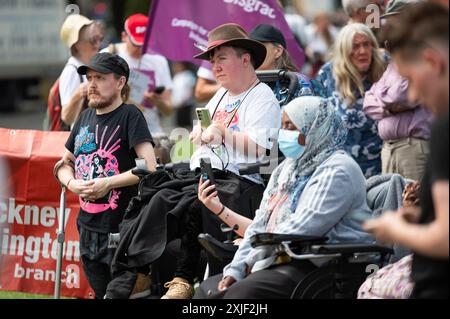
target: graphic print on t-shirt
<point>226,114</point>
<point>94,160</point>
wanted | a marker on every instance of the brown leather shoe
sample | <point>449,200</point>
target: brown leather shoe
<point>141,287</point>
<point>179,288</point>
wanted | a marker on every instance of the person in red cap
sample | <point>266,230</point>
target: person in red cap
<point>146,69</point>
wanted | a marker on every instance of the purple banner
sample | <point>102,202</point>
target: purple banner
<point>177,26</point>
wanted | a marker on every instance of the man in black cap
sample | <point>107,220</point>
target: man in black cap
<point>101,151</point>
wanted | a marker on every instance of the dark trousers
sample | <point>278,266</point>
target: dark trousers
<point>190,249</point>
<point>199,220</point>
<point>96,258</point>
<point>277,282</point>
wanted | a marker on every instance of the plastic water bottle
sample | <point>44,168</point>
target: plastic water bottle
<point>306,89</point>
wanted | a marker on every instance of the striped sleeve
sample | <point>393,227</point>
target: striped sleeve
<point>237,267</point>
<point>323,203</point>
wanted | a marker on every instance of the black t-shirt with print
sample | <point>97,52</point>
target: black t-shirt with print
<point>430,275</point>
<point>103,146</point>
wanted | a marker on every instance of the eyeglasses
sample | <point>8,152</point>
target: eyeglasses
<point>94,40</point>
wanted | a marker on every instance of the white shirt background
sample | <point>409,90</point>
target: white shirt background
<point>157,64</point>
<point>69,81</point>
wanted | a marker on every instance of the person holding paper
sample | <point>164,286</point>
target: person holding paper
<point>147,72</point>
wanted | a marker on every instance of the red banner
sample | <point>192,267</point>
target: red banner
<point>29,217</point>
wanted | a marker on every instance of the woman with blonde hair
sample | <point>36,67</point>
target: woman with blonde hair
<point>357,63</point>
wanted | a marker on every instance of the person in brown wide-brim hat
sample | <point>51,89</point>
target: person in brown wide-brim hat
<point>233,35</point>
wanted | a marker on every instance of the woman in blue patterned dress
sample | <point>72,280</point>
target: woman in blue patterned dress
<point>356,65</point>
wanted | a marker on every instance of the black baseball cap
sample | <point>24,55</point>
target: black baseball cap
<point>107,63</point>
<point>268,33</point>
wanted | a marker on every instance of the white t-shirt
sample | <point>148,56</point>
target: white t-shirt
<point>258,114</point>
<point>69,81</point>
<point>157,69</point>
<point>297,25</point>
<point>205,73</point>
<point>183,88</point>
<point>315,42</point>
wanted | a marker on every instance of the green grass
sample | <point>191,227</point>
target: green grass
<point>21,295</point>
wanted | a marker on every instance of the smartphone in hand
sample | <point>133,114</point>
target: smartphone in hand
<point>206,171</point>
<point>204,117</point>
<point>159,89</point>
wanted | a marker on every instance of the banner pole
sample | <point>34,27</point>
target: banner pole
<point>151,22</point>
<point>61,239</point>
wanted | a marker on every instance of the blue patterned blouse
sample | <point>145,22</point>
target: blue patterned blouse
<point>363,142</point>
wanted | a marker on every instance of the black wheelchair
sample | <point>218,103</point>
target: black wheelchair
<point>343,267</point>
<point>162,269</point>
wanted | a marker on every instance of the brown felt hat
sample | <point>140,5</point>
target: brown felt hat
<point>233,35</point>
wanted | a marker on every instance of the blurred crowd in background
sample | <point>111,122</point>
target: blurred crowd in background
<point>26,85</point>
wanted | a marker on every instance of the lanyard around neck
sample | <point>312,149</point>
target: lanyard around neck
<point>239,106</point>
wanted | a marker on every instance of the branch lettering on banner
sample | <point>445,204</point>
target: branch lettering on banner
<point>29,218</point>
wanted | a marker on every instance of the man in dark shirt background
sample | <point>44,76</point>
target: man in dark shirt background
<point>419,46</point>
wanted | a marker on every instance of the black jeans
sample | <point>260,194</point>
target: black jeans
<point>190,228</point>
<point>96,258</point>
<point>244,199</point>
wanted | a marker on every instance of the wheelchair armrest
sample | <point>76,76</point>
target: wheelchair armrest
<point>229,231</point>
<point>179,165</point>
<point>276,239</point>
<point>254,168</point>
<point>219,250</point>
<point>350,249</point>
<point>249,169</point>
<point>139,172</point>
